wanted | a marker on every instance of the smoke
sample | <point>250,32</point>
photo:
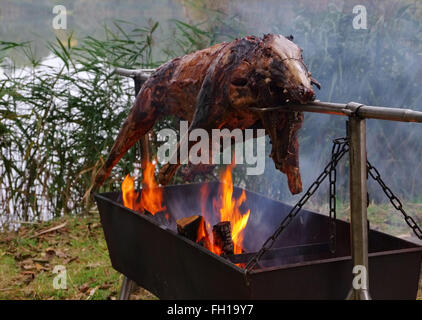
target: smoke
<point>378,66</point>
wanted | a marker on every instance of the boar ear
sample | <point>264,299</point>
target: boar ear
<point>290,37</point>
<point>315,82</point>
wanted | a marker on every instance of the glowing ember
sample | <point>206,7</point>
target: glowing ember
<point>151,196</point>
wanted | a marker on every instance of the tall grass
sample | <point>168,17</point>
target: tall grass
<point>59,116</point>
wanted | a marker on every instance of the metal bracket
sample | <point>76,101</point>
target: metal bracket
<point>141,74</point>
<point>352,109</point>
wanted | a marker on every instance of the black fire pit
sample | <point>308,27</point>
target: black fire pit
<point>299,267</point>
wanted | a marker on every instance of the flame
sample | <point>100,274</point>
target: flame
<point>129,194</point>
<point>227,208</point>
<point>205,231</point>
<point>205,235</point>
<point>230,209</point>
<point>151,196</point>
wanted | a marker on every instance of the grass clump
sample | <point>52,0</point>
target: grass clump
<point>27,262</point>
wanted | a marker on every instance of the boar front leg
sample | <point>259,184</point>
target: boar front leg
<point>140,120</point>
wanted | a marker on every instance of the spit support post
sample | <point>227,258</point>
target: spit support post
<point>356,132</point>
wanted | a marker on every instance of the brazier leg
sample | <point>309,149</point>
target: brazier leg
<point>126,288</point>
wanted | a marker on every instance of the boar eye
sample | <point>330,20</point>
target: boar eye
<point>267,53</point>
<point>240,82</point>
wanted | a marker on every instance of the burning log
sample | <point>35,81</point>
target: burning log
<point>189,227</point>
<point>223,237</point>
<point>193,228</point>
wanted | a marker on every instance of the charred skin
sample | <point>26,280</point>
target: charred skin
<point>215,88</point>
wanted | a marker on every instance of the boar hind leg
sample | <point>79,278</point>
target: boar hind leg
<point>169,170</point>
<point>140,120</point>
<point>207,116</point>
<point>202,120</point>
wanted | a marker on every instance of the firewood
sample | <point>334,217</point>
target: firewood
<point>223,237</point>
<point>189,227</point>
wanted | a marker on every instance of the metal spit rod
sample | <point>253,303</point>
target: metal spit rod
<point>341,109</point>
<point>357,114</point>
<point>361,110</point>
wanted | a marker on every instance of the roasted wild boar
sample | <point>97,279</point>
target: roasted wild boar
<point>221,87</point>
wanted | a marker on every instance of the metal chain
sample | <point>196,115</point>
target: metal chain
<point>340,147</point>
<point>332,196</point>
<point>374,173</point>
